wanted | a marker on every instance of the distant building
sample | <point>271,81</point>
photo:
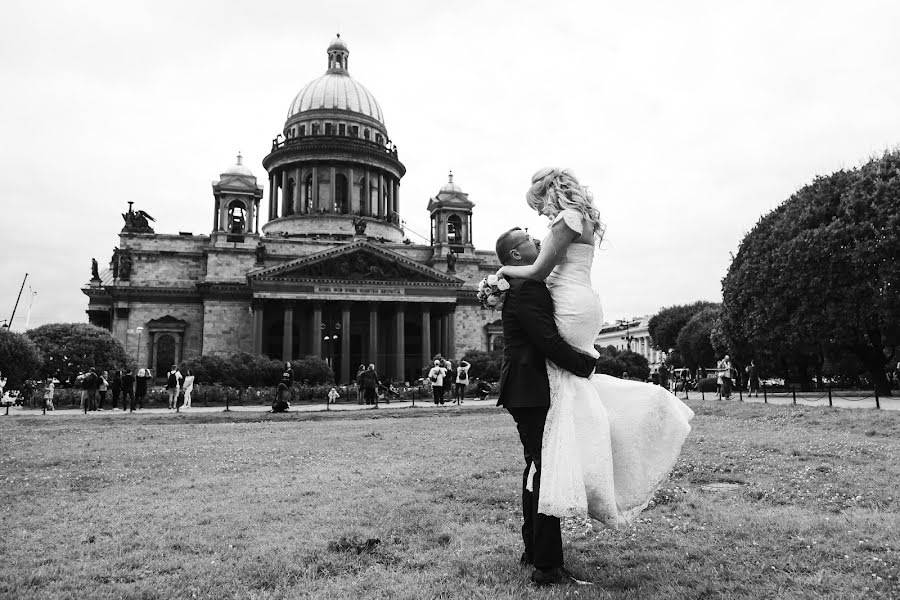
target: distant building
<point>329,273</point>
<point>631,334</point>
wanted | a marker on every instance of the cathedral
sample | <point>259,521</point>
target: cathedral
<point>329,272</point>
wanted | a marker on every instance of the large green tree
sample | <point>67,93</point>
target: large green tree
<point>613,361</point>
<point>818,277</point>
<point>665,325</point>
<point>73,348</point>
<point>20,359</point>
<point>694,340</point>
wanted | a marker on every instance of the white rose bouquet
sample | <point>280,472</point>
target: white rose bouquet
<point>492,292</point>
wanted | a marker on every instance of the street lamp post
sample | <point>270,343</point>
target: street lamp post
<point>627,337</point>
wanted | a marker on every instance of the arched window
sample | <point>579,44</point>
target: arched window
<point>302,130</point>
<point>315,129</point>
<point>454,229</point>
<point>341,199</point>
<point>342,129</point>
<point>366,133</point>
<point>329,128</point>
<point>237,217</point>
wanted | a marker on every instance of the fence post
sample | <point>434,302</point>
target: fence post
<point>227,401</point>
<point>702,393</point>
<point>740,394</point>
<point>794,393</point>
<point>765,398</point>
<point>877,401</point>
<point>829,396</point>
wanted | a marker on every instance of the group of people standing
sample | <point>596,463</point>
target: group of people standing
<point>443,379</point>
<point>126,385</point>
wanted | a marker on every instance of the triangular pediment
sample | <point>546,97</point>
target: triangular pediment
<point>237,182</point>
<point>361,262</point>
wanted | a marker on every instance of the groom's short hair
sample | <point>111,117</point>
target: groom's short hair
<point>505,243</point>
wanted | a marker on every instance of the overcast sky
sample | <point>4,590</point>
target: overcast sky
<point>688,120</point>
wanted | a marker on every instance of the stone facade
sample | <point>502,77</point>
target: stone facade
<point>329,272</point>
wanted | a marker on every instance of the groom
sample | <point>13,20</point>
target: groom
<point>530,336</point>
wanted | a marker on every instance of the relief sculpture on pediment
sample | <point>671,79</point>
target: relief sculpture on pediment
<point>360,266</point>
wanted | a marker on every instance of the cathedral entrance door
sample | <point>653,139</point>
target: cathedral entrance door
<point>165,354</point>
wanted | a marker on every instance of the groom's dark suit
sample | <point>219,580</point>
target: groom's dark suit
<point>530,336</point>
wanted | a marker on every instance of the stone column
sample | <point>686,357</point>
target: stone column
<point>345,342</point>
<point>451,333</point>
<point>287,338</point>
<point>314,208</point>
<point>426,335</point>
<point>257,308</point>
<point>296,197</point>
<point>256,216</point>
<point>216,215</point>
<point>368,194</point>
<point>333,189</point>
<point>373,335</point>
<point>391,208</point>
<point>400,326</point>
<point>271,196</point>
<point>353,203</point>
<point>285,201</point>
<point>381,199</point>
<point>317,330</point>
<point>439,334</point>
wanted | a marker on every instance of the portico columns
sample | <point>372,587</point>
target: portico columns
<point>373,334</point>
<point>451,333</point>
<point>287,339</point>
<point>400,325</point>
<point>426,335</point>
<point>285,201</point>
<point>317,330</point>
<point>272,196</point>
<point>382,201</point>
<point>345,342</point>
<point>391,208</point>
<point>257,328</point>
<point>315,190</point>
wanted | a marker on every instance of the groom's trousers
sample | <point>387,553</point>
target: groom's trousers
<point>541,534</point>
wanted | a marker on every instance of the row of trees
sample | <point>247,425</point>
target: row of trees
<point>65,350</point>
<point>814,290</point>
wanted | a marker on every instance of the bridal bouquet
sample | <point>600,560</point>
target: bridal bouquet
<point>492,291</point>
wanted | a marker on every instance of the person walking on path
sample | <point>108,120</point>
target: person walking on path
<point>102,389</point>
<point>753,378</point>
<point>91,384</point>
<point>437,375</point>
<point>462,380</point>
<point>369,384</point>
<point>173,385</point>
<point>187,387</point>
<point>128,390</point>
<point>48,395</point>
<point>359,392</point>
<point>115,386</point>
<point>141,383</point>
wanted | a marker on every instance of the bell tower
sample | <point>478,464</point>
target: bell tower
<point>237,197</point>
<point>451,221</point>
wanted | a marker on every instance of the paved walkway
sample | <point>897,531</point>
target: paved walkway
<point>469,403</point>
<point>811,399</point>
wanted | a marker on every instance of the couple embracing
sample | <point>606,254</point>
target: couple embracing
<point>595,446</point>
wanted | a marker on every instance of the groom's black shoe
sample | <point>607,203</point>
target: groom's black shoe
<point>557,576</point>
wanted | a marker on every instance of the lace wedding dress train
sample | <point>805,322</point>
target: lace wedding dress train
<point>608,443</point>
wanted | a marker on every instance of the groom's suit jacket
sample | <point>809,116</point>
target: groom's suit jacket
<point>530,336</point>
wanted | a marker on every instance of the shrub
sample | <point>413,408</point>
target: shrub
<point>313,370</point>
<point>485,365</point>
<point>73,348</point>
<point>20,358</point>
<point>613,361</point>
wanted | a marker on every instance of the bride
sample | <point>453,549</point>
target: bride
<point>608,443</point>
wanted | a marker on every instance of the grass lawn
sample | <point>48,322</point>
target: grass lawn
<point>421,503</point>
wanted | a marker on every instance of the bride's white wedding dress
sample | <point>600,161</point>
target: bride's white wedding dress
<point>608,443</point>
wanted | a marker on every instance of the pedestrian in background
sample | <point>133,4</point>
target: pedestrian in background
<point>187,388</point>
<point>462,380</point>
<point>753,378</point>
<point>102,389</point>
<point>91,383</point>
<point>141,382</point>
<point>48,395</point>
<point>437,375</point>
<point>128,390</point>
<point>726,377</point>
<point>369,379</point>
<point>115,386</point>
<point>359,393</point>
<point>173,385</point>
<point>333,395</point>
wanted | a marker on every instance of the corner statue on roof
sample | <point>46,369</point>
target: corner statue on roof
<point>136,222</point>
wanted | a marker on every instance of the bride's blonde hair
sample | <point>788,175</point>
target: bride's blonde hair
<point>554,190</point>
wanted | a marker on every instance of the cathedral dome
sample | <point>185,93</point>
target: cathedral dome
<point>336,90</point>
<point>451,187</point>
